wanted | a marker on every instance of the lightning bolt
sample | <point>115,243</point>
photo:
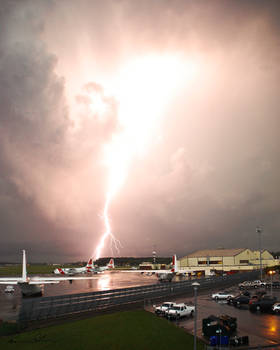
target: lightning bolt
<point>142,89</point>
<point>108,231</point>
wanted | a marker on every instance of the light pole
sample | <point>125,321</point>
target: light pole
<point>271,272</point>
<point>195,287</point>
<point>259,231</point>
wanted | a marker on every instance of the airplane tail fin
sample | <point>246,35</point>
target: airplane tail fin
<point>59,271</point>
<point>174,267</point>
<point>111,264</point>
<point>90,263</point>
<point>24,272</point>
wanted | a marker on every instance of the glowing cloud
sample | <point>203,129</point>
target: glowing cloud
<point>143,88</point>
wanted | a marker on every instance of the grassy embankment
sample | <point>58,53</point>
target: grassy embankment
<point>137,330</point>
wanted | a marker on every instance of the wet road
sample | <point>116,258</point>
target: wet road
<point>262,328</point>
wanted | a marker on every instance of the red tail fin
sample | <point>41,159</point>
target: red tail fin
<point>174,264</point>
<point>90,263</point>
<point>111,264</point>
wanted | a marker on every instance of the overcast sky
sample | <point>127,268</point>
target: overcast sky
<point>209,170</point>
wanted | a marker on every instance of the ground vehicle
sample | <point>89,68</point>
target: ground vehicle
<point>258,283</point>
<point>179,311</point>
<point>252,284</point>
<point>222,295</point>
<point>245,285</point>
<point>274,285</point>
<point>9,289</point>
<point>239,300</point>
<point>224,325</point>
<point>276,308</point>
<point>160,310</point>
<point>263,304</point>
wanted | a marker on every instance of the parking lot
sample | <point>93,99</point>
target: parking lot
<point>262,328</point>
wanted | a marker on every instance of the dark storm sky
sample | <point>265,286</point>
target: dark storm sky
<point>210,176</point>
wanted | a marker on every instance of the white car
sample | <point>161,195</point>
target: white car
<point>163,308</point>
<point>222,295</point>
<point>276,308</point>
<point>9,289</point>
<point>179,311</point>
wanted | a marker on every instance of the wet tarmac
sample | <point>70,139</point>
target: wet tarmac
<point>10,303</point>
<point>262,328</point>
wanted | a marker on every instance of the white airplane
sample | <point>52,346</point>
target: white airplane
<point>162,275</point>
<point>31,286</point>
<point>110,265</point>
<point>89,268</point>
<point>74,270</point>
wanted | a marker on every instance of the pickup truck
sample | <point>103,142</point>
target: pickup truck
<point>179,311</point>
<point>252,284</point>
<point>161,310</point>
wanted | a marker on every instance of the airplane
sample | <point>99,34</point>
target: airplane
<point>74,270</point>
<point>89,268</point>
<point>110,265</point>
<point>162,275</point>
<point>31,286</point>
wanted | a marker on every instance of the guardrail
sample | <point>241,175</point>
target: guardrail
<point>58,306</point>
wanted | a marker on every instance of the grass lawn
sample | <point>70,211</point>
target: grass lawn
<point>127,330</point>
<point>16,270</point>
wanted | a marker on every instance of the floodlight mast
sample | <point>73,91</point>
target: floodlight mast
<point>259,230</point>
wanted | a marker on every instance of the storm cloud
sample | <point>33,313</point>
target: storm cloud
<point>211,174</point>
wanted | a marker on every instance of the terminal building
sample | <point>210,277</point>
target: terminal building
<point>218,261</point>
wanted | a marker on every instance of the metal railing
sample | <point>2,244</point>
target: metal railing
<point>62,305</point>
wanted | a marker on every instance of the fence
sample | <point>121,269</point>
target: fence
<point>69,304</point>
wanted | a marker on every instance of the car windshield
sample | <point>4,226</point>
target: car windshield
<point>176,308</point>
<point>165,305</point>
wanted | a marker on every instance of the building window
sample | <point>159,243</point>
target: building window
<point>216,262</point>
<point>202,262</point>
<point>244,261</point>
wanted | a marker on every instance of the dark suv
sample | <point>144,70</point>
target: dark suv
<point>263,304</point>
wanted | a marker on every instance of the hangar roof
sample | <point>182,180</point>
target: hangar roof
<point>215,252</point>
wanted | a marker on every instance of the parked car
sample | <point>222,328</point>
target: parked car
<point>275,285</point>
<point>257,296</point>
<point>161,310</point>
<point>222,295</point>
<point>179,311</point>
<point>231,301</point>
<point>258,283</point>
<point>263,304</point>
<point>276,308</point>
<point>245,285</point>
<point>252,284</point>
<point>240,300</point>
<point>9,289</point>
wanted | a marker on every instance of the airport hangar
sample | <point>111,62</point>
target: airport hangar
<point>210,261</point>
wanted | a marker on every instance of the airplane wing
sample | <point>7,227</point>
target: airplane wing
<point>147,271</point>
<point>46,279</point>
<point>10,279</point>
<point>43,282</point>
<point>8,282</point>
